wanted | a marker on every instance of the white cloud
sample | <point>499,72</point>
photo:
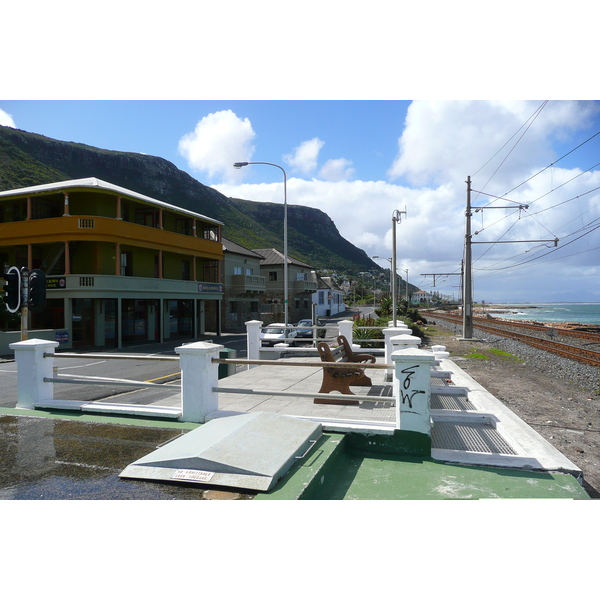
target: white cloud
<point>337,169</point>
<point>219,140</point>
<point>305,156</point>
<point>6,119</point>
<point>448,140</point>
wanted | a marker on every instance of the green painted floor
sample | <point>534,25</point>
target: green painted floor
<point>374,478</point>
<point>338,474</point>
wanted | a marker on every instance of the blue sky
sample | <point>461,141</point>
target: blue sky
<point>333,115</point>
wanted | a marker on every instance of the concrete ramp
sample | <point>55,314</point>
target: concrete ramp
<point>250,451</point>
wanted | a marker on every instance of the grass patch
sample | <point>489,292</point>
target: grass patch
<point>503,354</point>
<point>477,355</point>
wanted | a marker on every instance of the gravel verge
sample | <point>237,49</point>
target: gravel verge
<point>557,397</point>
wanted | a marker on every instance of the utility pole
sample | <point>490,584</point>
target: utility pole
<point>467,302</point>
<point>467,306</point>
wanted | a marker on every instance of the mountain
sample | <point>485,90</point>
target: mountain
<point>30,159</point>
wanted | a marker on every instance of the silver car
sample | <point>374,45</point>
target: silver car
<point>276,334</point>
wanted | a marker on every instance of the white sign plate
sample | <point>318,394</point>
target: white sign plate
<point>192,475</point>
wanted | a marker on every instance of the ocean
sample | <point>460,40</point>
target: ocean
<point>555,312</point>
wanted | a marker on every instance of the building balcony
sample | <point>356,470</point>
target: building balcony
<point>299,287</point>
<point>241,284</point>
<point>105,229</point>
<point>121,286</point>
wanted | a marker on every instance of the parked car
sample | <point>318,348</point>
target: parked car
<point>275,333</point>
<point>304,329</point>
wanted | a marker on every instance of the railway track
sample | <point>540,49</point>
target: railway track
<point>504,329</point>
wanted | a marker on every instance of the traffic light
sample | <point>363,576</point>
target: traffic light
<point>37,290</point>
<point>12,289</point>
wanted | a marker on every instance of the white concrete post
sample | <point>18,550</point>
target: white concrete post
<point>402,341</point>
<point>199,375</point>
<point>400,325</point>
<point>345,328</point>
<point>440,352</point>
<point>32,367</point>
<point>253,340</point>
<point>412,389</point>
<point>388,334</point>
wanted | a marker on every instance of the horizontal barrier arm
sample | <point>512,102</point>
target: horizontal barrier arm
<point>111,382</point>
<point>340,365</point>
<point>107,356</point>
<point>303,395</point>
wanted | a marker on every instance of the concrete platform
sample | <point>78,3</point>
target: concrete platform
<point>469,425</point>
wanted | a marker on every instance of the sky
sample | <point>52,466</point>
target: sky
<point>339,119</point>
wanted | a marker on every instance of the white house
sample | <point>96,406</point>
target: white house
<point>329,298</point>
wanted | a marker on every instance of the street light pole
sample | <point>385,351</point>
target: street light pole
<point>239,165</point>
<point>396,218</point>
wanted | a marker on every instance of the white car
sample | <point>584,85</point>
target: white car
<point>275,333</point>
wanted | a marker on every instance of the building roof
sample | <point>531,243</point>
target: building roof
<point>229,246</point>
<point>94,182</point>
<point>327,283</point>
<point>274,257</point>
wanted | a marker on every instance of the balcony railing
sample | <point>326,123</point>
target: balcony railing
<point>248,283</point>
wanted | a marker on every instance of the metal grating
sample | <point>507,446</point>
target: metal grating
<point>472,437</point>
<point>450,402</point>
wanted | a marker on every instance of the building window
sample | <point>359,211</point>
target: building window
<point>233,307</point>
<point>238,270</point>
<point>211,232</point>
<point>321,297</point>
<point>185,270</point>
<point>127,263</point>
<point>211,271</point>
<point>272,275</point>
<point>249,271</point>
<point>147,217</point>
<point>253,306</point>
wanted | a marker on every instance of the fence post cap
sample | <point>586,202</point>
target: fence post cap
<point>32,344</point>
<point>199,348</point>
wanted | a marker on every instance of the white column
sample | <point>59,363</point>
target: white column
<point>402,341</point>
<point>199,375</point>
<point>253,340</point>
<point>388,334</point>
<point>412,389</point>
<point>32,367</point>
<point>346,330</point>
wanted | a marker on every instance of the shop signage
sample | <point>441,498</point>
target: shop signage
<point>55,283</point>
<point>210,287</point>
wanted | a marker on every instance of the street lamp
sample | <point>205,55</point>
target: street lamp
<point>239,165</point>
<point>406,271</point>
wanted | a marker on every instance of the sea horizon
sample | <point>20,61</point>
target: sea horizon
<point>586,313</point>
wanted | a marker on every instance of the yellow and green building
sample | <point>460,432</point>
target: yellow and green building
<point>122,268</point>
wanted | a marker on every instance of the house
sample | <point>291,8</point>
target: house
<point>121,267</point>
<point>243,286</point>
<point>421,297</point>
<point>329,299</point>
<point>302,283</point>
